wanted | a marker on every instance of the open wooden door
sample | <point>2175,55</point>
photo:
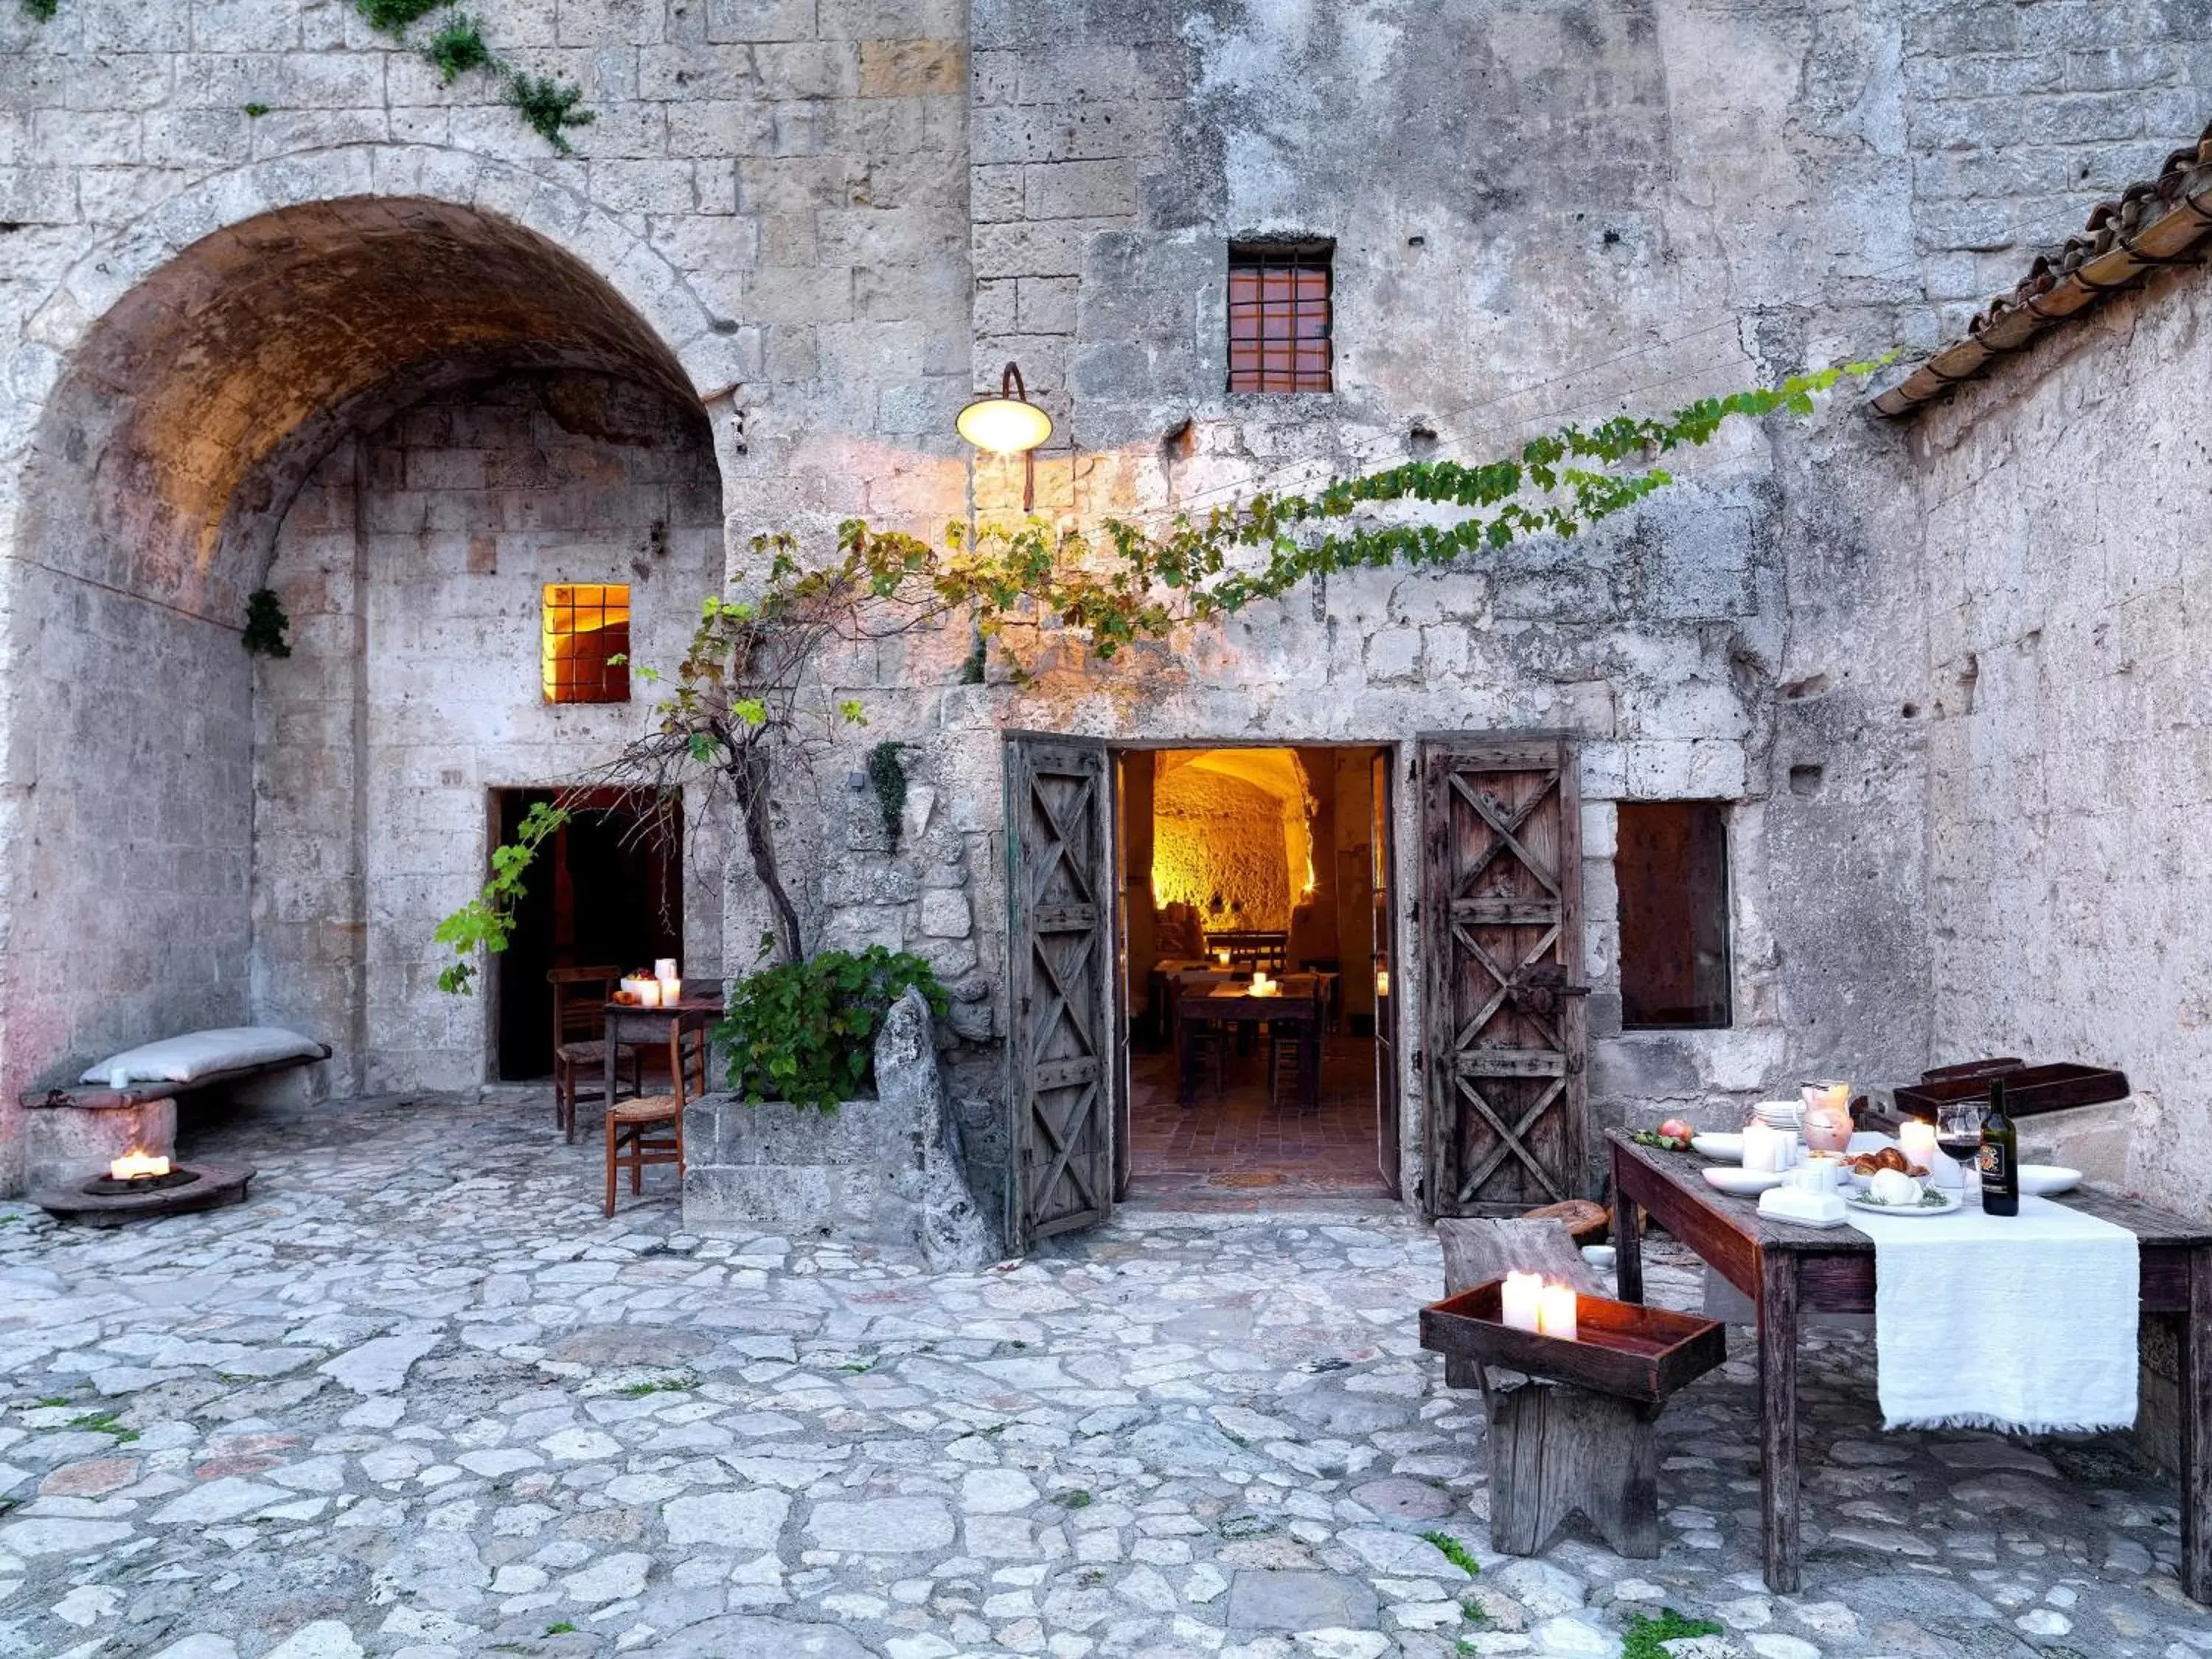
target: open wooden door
<point>1504,1037</point>
<point>1389,1078</point>
<point>1061,1025</point>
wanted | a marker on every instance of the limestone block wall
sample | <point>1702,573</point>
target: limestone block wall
<point>2071,754</point>
<point>413,569</point>
<point>1219,847</point>
<point>831,219</point>
<point>769,209</point>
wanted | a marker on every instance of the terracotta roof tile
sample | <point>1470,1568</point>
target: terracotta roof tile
<point>2154,222</point>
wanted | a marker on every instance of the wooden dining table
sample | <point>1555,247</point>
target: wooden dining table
<point>631,1026</point>
<point>1788,1271</point>
<point>1295,1003</point>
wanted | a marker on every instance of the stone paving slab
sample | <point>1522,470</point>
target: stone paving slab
<point>420,1399</point>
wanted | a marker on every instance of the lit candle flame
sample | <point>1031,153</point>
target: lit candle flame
<point>135,1165</point>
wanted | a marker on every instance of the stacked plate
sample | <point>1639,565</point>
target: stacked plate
<point>1781,1114</point>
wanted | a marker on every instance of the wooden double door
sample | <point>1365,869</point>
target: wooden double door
<point>1498,913</point>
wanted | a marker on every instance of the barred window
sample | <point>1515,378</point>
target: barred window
<point>584,655</point>
<point>1278,317</point>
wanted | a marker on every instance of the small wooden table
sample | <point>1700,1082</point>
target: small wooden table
<point>1234,1004</point>
<point>1784,1268</point>
<point>652,1028</point>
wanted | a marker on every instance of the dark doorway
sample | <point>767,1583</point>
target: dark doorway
<point>608,891</point>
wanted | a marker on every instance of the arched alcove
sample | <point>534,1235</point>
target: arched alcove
<point>401,415</point>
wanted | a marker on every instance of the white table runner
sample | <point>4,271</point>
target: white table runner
<point>2023,1322</point>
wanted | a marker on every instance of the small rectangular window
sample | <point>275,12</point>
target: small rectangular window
<point>585,642</point>
<point>1278,317</point>
<point>1671,867</point>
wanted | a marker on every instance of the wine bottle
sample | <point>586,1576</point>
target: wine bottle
<point>2000,1164</point>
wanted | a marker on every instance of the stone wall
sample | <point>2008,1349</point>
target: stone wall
<point>2070,761</point>
<point>1219,847</point>
<point>412,567</point>
<point>824,222</point>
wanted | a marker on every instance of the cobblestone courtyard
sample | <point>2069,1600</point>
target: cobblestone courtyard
<point>419,1398</point>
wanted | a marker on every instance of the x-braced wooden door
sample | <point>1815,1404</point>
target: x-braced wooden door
<point>1061,1048</point>
<point>1501,922</point>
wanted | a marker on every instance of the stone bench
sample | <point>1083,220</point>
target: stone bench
<point>73,1133</point>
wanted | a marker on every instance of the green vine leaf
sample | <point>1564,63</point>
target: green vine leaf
<point>888,778</point>
<point>266,624</point>
<point>393,16</point>
<point>43,10</point>
<point>486,922</point>
<point>457,48</point>
<point>806,1031</point>
<point>549,107</point>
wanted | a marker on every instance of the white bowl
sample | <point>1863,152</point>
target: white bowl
<point>1743,1183</point>
<point>1723,1148</point>
<point>1600,1256</point>
<point>2045,1179</point>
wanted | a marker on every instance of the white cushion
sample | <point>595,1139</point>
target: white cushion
<point>202,1053</point>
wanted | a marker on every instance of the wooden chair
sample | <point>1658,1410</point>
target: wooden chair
<point>1555,1450</point>
<point>650,1129</point>
<point>1285,1048</point>
<point>1203,1056</point>
<point>580,1050</point>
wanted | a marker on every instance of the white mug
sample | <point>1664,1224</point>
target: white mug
<point>1820,1175</point>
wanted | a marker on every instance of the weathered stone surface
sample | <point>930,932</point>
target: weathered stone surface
<point>877,1170</point>
<point>828,1449</point>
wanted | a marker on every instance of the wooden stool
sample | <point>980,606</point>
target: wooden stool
<point>1556,1450</point>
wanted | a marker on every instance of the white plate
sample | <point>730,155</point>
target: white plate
<point>1744,1183</point>
<point>2045,1179</point>
<point>1858,1201</point>
<point>1724,1148</point>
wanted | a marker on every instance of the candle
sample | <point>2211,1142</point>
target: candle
<point>1757,1147</point>
<point>1382,981</point>
<point>666,968</point>
<point>648,994</point>
<point>1556,1312</point>
<point>1260,983</point>
<point>1520,1301</point>
<point>1917,1141</point>
<point>1221,958</point>
<point>671,990</point>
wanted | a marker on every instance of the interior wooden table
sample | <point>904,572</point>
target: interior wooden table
<point>1786,1269</point>
<point>627,1023</point>
<point>1234,1004</point>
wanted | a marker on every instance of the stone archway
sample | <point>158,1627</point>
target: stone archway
<point>186,418</point>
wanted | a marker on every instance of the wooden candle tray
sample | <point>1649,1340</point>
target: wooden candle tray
<point>1620,1348</point>
<point>2029,1089</point>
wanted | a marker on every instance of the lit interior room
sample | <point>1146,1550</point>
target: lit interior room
<point>1251,889</point>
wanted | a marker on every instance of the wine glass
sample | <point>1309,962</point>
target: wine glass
<point>1958,1137</point>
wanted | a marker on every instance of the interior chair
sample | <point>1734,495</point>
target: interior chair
<point>580,1049</point>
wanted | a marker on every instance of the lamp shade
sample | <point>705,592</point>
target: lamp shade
<point>1005,426</point>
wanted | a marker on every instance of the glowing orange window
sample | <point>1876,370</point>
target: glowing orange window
<point>585,648</point>
<point>1278,317</point>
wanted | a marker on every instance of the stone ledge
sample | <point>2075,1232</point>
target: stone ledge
<point>879,1171</point>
